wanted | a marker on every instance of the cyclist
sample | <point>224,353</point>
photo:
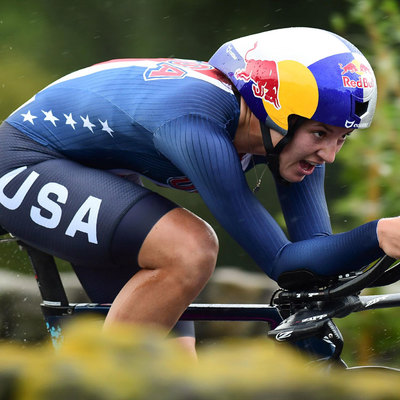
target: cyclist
<point>72,156</point>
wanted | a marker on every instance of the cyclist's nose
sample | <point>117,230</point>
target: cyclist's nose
<point>328,153</point>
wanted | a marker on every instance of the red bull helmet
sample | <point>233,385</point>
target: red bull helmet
<point>308,72</point>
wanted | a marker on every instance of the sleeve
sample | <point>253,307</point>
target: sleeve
<point>203,151</point>
<point>304,207</point>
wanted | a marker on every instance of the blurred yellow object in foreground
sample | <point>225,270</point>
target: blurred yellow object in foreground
<point>140,364</point>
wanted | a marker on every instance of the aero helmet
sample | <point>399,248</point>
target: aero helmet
<point>307,72</point>
<point>304,71</point>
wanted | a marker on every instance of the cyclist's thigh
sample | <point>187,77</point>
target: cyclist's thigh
<point>70,210</point>
<point>90,217</point>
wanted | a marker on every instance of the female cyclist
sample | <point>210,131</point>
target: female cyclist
<point>72,156</point>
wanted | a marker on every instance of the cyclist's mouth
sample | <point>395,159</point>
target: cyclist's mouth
<point>307,167</point>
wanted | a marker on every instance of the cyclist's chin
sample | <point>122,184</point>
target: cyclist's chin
<point>292,177</point>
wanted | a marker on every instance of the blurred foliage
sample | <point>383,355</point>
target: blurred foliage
<point>370,159</point>
<point>122,364</point>
<point>371,338</point>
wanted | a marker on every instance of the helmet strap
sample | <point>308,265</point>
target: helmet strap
<point>273,152</point>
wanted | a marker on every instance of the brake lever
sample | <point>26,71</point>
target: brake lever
<point>307,322</point>
<point>300,325</point>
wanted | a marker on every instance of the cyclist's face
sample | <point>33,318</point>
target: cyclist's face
<point>313,144</point>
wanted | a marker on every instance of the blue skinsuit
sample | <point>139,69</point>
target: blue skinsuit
<point>174,121</point>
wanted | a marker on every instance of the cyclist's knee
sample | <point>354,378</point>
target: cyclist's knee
<point>198,255</point>
<point>182,244</point>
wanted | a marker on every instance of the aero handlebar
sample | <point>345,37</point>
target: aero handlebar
<point>378,272</point>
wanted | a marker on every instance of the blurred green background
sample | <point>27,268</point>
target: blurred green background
<point>42,40</point>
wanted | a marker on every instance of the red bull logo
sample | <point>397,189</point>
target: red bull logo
<point>365,76</point>
<point>264,77</point>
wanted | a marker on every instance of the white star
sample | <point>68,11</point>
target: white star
<point>50,117</point>
<point>29,117</point>
<point>87,123</point>
<point>70,120</point>
<point>106,128</point>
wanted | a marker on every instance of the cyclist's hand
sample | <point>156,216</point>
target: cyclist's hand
<point>388,231</point>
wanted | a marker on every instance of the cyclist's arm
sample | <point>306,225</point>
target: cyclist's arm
<point>204,152</point>
<point>304,207</point>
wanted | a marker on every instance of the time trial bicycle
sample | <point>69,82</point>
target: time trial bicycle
<point>301,312</point>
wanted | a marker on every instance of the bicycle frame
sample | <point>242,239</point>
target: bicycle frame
<point>54,314</point>
<point>56,307</point>
<point>302,323</point>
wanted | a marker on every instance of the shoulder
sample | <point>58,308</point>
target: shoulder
<point>180,88</point>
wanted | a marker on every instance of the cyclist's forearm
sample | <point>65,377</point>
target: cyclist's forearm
<point>330,255</point>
